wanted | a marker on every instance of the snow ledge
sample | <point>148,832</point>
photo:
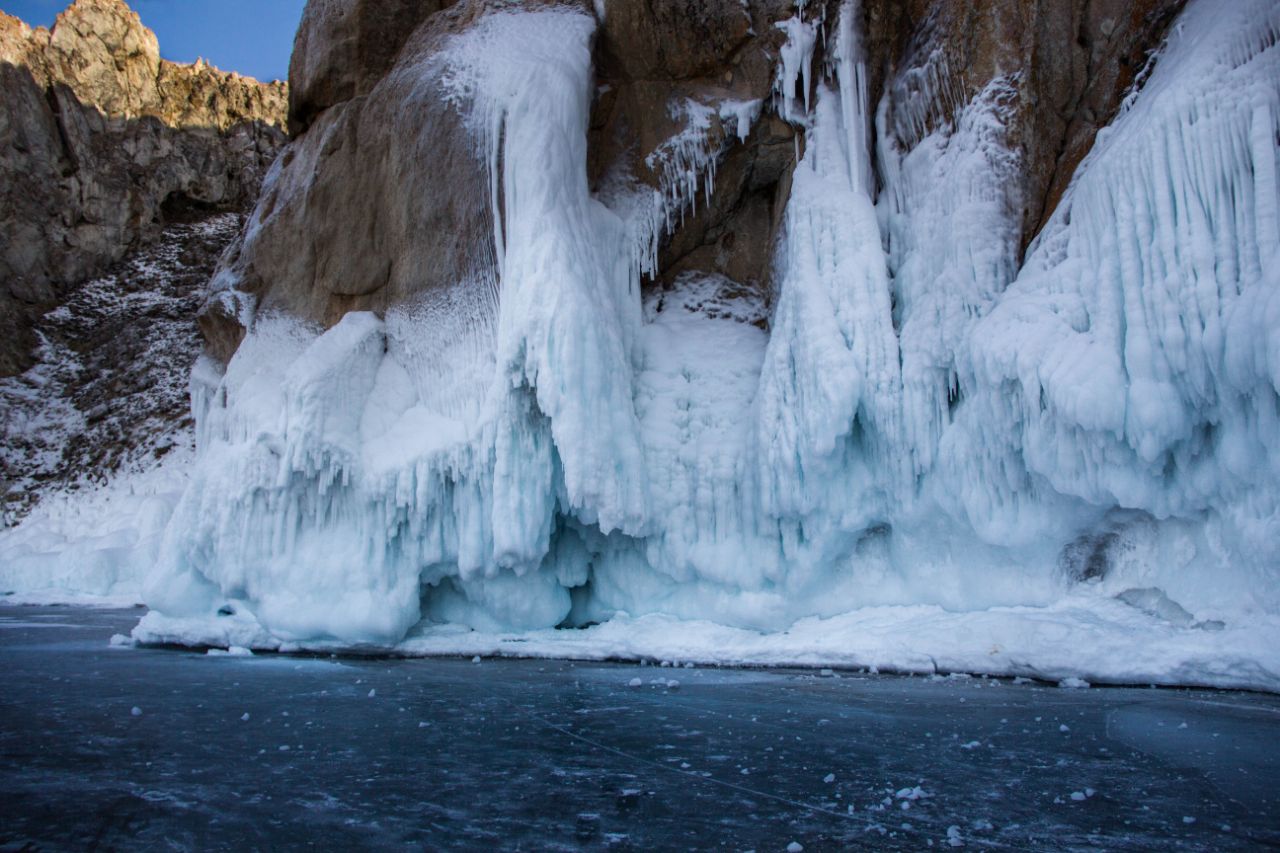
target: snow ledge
<point>1087,638</point>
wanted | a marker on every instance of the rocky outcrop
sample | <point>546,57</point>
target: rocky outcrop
<point>381,196</point>
<point>110,389</point>
<point>1069,64</point>
<point>344,48</point>
<point>100,50</point>
<point>649,61</point>
<point>378,148</point>
<point>100,141</point>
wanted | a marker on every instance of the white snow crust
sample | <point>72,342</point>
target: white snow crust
<point>94,546</point>
<point>936,458</point>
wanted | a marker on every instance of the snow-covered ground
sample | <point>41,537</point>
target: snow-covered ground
<point>1085,638</point>
<point>97,436</point>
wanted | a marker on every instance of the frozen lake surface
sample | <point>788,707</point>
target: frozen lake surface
<point>148,748</point>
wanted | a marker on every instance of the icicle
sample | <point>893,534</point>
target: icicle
<point>795,66</point>
<point>686,162</point>
<point>851,72</point>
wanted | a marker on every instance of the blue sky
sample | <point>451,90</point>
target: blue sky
<point>253,37</point>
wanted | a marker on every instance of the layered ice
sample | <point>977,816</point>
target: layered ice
<point>328,511</point>
<point>1132,363</point>
<point>919,443</point>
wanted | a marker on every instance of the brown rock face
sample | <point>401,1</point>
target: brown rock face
<point>344,47</point>
<point>381,198</point>
<point>99,140</point>
<point>651,57</point>
<point>1070,63</point>
<point>1111,48</point>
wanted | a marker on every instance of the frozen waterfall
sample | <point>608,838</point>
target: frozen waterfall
<point>922,447</point>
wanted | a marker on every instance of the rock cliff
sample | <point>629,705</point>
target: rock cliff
<point>375,148</point>
<point>943,318</point>
<point>99,139</point>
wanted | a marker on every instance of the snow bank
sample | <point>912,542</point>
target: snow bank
<point>93,546</point>
<point>1080,635</point>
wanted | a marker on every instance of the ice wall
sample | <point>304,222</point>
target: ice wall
<point>333,486</point>
<point>1132,364</point>
<point>922,423</point>
<point>1126,331</point>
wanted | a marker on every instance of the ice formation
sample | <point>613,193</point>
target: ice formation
<point>928,427</point>
<point>1133,363</point>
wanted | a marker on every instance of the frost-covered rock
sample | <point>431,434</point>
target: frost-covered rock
<point>96,438</point>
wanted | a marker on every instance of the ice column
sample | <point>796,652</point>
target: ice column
<point>828,393</point>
